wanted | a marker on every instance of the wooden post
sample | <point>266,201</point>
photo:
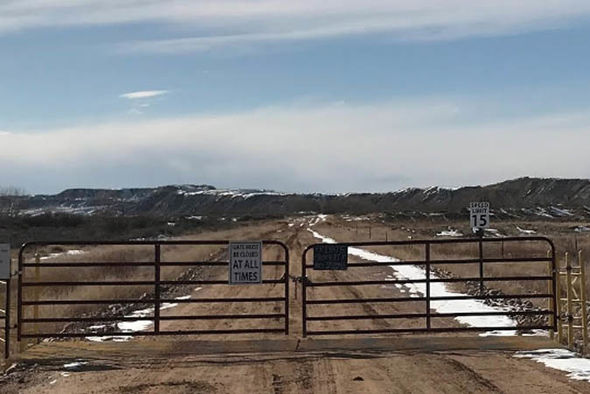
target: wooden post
<point>37,293</point>
<point>569,294</point>
<point>558,298</point>
<point>583,300</point>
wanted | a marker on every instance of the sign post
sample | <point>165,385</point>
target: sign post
<point>479,218</point>
<point>330,257</point>
<point>4,261</point>
<point>245,263</point>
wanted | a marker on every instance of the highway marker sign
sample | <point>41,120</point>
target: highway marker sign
<point>479,215</point>
<point>245,263</point>
<point>4,261</point>
<point>330,257</point>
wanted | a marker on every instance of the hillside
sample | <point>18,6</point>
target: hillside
<point>523,197</point>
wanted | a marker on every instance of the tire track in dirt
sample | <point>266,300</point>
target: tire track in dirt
<point>484,383</point>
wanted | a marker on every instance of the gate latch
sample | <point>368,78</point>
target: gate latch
<point>300,279</point>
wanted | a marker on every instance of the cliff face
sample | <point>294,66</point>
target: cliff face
<point>519,197</point>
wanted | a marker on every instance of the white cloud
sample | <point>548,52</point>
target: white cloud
<point>234,22</point>
<point>330,148</point>
<point>143,94</point>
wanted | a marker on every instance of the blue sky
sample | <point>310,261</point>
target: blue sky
<point>326,96</point>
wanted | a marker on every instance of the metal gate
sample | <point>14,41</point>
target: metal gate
<point>430,297</point>
<point>86,277</point>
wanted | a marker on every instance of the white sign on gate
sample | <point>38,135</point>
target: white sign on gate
<point>479,215</point>
<point>245,262</point>
<point>4,261</point>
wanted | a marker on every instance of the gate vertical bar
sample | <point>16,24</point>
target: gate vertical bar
<point>287,279</point>
<point>304,293</point>
<point>556,289</point>
<point>157,289</point>
<point>427,258</point>
<point>19,298</point>
<point>559,305</point>
<point>7,316</point>
<point>550,291</point>
<point>583,300</point>
<point>481,262</point>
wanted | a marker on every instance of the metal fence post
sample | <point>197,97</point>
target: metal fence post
<point>559,304</point>
<point>19,301</point>
<point>427,259</point>
<point>287,279</point>
<point>481,262</point>
<point>304,294</point>
<point>157,289</point>
<point>7,317</point>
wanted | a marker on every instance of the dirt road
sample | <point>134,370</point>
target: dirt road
<point>286,364</point>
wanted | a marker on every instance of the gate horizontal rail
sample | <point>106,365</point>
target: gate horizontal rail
<point>155,300</point>
<point>425,297</point>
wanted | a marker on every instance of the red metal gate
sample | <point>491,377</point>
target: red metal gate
<point>486,253</point>
<point>35,292</point>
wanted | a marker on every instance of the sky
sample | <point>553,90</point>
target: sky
<point>296,96</point>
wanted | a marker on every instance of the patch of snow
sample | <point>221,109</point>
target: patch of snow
<point>525,231</point>
<point>244,194</point>
<point>137,325</point>
<point>194,218</point>
<point>578,368</point>
<point>75,365</point>
<point>318,218</point>
<point>560,211</point>
<point>450,233</point>
<point>171,224</point>
<point>493,232</point>
<point>291,224</point>
<point>542,212</point>
<point>581,229</point>
<point>72,210</point>
<point>116,338</point>
<point>355,218</point>
<point>73,252</point>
